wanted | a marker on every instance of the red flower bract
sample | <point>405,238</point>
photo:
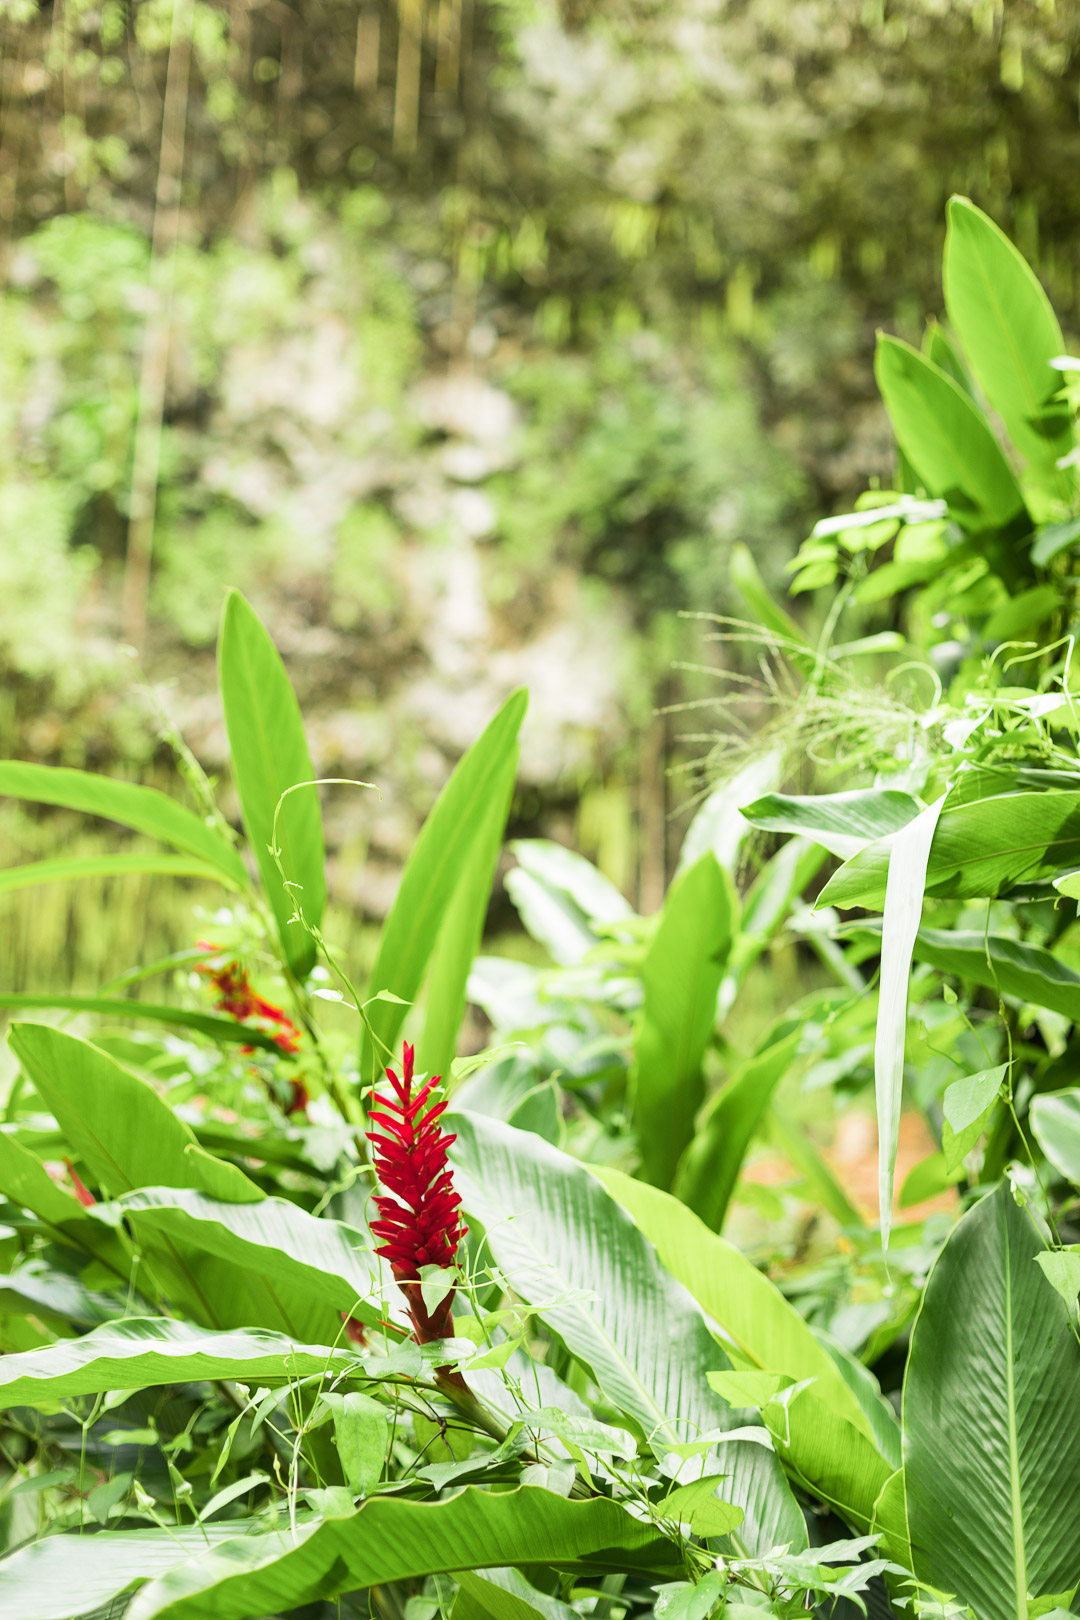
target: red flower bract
<point>236,997</point>
<point>420,1225</point>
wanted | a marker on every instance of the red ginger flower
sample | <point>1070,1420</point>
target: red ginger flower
<point>420,1224</point>
<point>236,997</point>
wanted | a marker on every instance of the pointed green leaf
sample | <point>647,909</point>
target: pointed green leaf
<point>681,978</point>
<point>431,875</point>
<point>64,868</point>
<point>141,808</point>
<point>226,1030</point>
<point>991,1445</point>
<point>1055,1120</point>
<point>269,756</point>
<point>946,437</point>
<point>842,822</point>
<point>1010,334</point>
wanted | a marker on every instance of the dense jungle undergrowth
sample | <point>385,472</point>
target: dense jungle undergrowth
<point>305,1313</point>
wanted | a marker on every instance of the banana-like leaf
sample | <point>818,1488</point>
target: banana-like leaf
<point>1055,1121</point>
<point>1005,965</point>
<point>144,1352</point>
<point>991,1442</point>
<point>432,873</point>
<point>504,1594</point>
<point>980,848</point>
<point>114,1119</point>
<point>566,1246</point>
<point>569,873</point>
<point>461,930</point>
<point>39,1582</point>
<point>710,1167</point>
<point>946,437</point>
<point>296,1252</point>
<point>758,1325</point>
<point>270,757</point>
<point>681,977</point>
<point>226,1030</point>
<point>905,886</point>
<point>64,868</point>
<point>843,823</point>
<point>1010,335</point>
<point>388,1539</point>
<point>142,808</point>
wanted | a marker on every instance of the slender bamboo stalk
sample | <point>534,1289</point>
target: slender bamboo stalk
<point>158,330</point>
<point>407,85</point>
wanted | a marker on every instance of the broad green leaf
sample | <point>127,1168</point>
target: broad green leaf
<point>218,1029</point>
<point>1007,966</point>
<point>680,978</point>
<point>26,1182</point>
<point>389,1539</point>
<point>1061,1268</point>
<point>760,1329</point>
<point>361,1434</point>
<point>269,756</point>
<point>141,808</point>
<point>710,1167</point>
<point>62,869</point>
<point>719,824</point>
<point>297,1253</point>
<point>1055,1121</point>
<point>1010,335</point>
<point>431,876</point>
<point>113,1118</point>
<point>908,856</point>
<point>991,1445</point>
<point>979,849</point>
<point>552,917</point>
<point>890,1520</point>
<point>930,1177</point>
<point>461,930</point>
<point>842,822</point>
<point>595,896</point>
<point>540,1110</point>
<point>937,345</point>
<point>36,1582</point>
<point>569,1249</point>
<point>505,1594</point>
<point>145,1352</point>
<point>946,437</point>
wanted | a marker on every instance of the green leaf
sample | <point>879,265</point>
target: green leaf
<point>146,1352</point>
<point>141,808</point>
<point>930,1177</point>
<point>64,868</point>
<point>389,1539</point>
<point>967,1106</point>
<point>540,1110</point>
<point>309,1256</point>
<point>362,1434</point>
<point>744,575</point>
<point>719,824</point>
<point>504,1594</point>
<point>226,1030</point>
<point>269,756</point>
<point>828,1455</point>
<point>991,1445</point>
<point>680,977</point>
<point>908,856</point>
<point>1013,969</point>
<point>1010,334</point>
<point>979,849</point>
<point>462,927</point>
<point>946,437</point>
<point>760,1329</point>
<point>113,1118</point>
<point>569,1249</point>
<point>698,1506</point>
<point>562,869</point>
<point>36,1582</point>
<point>1055,1121</point>
<point>431,875</point>
<point>842,822</point>
<point>796,1146</point>
<point>1061,1268</point>
<point>710,1167</point>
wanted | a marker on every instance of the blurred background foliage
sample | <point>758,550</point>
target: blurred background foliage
<point>465,337</point>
